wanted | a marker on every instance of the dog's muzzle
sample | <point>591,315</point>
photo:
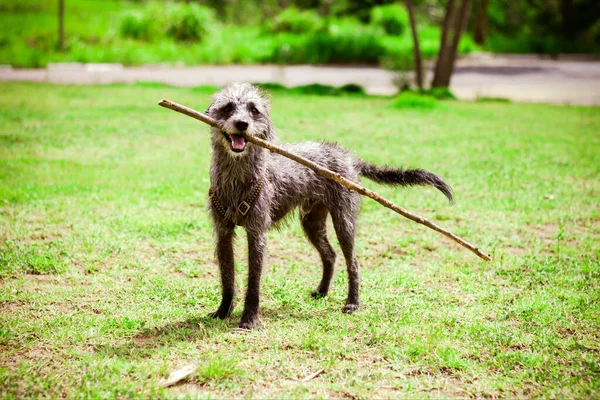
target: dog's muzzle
<point>236,142</point>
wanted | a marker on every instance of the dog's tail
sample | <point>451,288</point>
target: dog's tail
<point>404,177</point>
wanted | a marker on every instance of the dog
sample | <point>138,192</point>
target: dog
<point>254,188</point>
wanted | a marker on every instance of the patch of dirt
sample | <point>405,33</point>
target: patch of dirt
<point>35,353</point>
<point>565,332</point>
<point>145,341</point>
<point>41,237</point>
<point>44,280</point>
<point>289,251</point>
<point>518,251</point>
<point>190,388</point>
<point>446,371</point>
<point>518,346</point>
<point>39,352</point>
<point>414,255</point>
<point>543,238</point>
<point>444,383</point>
<point>10,307</point>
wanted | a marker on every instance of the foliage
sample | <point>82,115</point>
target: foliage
<point>293,20</point>
<point>116,186</point>
<point>352,88</point>
<point>423,98</point>
<point>180,21</point>
<point>399,54</point>
<point>135,25</point>
<point>316,89</point>
<point>343,41</point>
<point>190,22</point>
<point>139,33</point>
<point>392,18</point>
<point>326,90</point>
<point>547,27</point>
<point>270,86</point>
<point>440,93</point>
<point>409,99</point>
<point>486,99</point>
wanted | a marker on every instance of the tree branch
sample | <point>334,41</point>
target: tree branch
<point>328,174</point>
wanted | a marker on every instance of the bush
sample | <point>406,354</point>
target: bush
<point>392,18</point>
<point>137,26</point>
<point>317,89</point>
<point>486,99</point>
<point>410,99</point>
<point>293,20</point>
<point>182,22</point>
<point>190,22</point>
<point>353,88</point>
<point>344,41</point>
<point>270,86</point>
<point>439,93</point>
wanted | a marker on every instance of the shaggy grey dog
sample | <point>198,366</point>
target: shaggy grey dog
<point>254,188</point>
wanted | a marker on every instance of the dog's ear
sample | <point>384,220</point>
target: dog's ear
<point>265,99</point>
<point>270,131</point>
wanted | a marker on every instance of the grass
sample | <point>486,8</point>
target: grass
<point>29,39</point>
<point>107,268</point>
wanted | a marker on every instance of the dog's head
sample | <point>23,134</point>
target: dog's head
<point>240,108</point>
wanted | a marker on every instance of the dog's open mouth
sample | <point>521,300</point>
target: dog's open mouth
<point>237,142</point>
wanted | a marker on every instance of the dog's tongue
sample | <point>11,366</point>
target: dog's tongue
<point>238,142</point>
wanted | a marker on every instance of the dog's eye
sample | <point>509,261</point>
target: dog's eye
<point>227,108</point>
<point>254,111</point>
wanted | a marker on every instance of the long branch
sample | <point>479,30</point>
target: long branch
<point>329,174</point>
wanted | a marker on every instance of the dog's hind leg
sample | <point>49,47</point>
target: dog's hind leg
<point>314,223</point>
<point>344,222</point>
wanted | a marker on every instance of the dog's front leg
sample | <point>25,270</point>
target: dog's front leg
<point>256,248</point>
<point>225,258</point>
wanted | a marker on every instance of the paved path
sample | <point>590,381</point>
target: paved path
<point>518,78</point>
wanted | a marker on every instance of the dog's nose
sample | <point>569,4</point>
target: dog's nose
<point>241,125</point>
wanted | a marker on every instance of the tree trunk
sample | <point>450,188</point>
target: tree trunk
<point>454,26</point>
<point>442,59</point>
<point>416,47</point>
<point>61,25</point>
<point>481,22</point>
<point>567,16</point>
<point>461,25</point>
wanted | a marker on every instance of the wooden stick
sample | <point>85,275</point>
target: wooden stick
<point>328,174</point>
<point>179,375</point>
<point>313,375</point>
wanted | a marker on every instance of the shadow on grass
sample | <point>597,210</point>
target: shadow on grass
<point>147,341</point>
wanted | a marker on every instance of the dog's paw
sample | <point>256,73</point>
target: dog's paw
<point>350,308</point>
<point>248,326</point>
<point>219,314</point>
<point>317,294</point>
<point>241,330</point>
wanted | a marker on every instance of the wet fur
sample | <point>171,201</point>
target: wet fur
<point>288,186</point>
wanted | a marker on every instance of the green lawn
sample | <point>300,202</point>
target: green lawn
<point>107,269</point>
